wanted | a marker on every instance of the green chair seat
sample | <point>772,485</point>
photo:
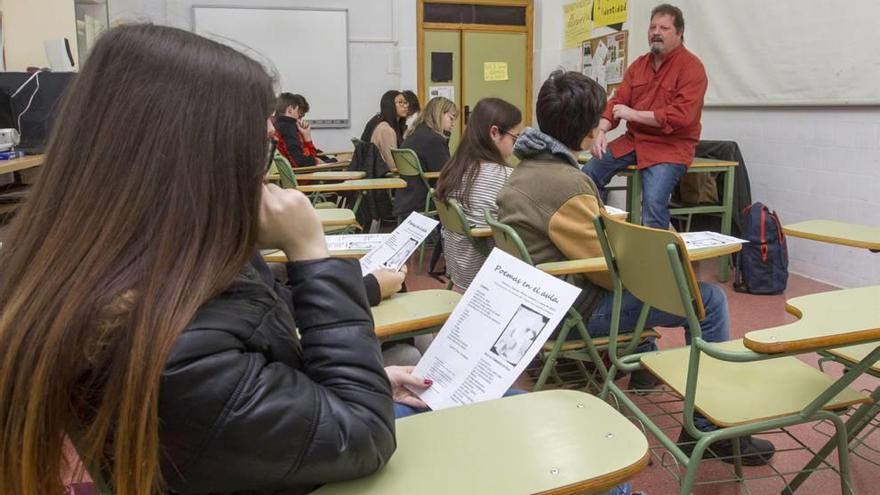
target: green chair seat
<point>855,353</point>
<point>730,394</point>
<point>409,313</point>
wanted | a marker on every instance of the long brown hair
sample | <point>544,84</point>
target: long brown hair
<point>476,147</point>
<point>146,206</point>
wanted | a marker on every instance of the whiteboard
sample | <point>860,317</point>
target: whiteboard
<point>763,52</point>
<point>307,48</point>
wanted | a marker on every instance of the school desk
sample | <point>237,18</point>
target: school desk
<point>25,162</point>
<point>550,442</point>
<point>845,234</point>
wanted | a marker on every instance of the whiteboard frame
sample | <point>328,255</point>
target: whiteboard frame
<point>320,123</point>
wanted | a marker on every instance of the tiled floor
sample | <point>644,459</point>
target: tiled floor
<point>750,312</point>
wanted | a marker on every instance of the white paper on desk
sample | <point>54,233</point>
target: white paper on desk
<point>615,212</point>
<point>398,247</point>
<point>501,322</point>
<point>348,242</point>
<point>700,240</point>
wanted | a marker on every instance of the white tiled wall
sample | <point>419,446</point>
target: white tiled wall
<point>812,163</point>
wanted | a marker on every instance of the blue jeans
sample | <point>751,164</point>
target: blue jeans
<point>657,184</point>
<point>715,327</point>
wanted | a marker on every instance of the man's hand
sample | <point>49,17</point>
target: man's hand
<point>623,112</point>
<point>305,129</point>
<point>600,144</point>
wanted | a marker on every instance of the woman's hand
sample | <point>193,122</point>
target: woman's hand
<point>402,375</point>
<point>289,222</point>
<point>390,281</point>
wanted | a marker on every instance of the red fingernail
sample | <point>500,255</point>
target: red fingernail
<point>428,381</point>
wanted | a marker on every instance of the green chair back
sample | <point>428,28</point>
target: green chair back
<point>451,215</point>
<point>285,171</point>
<point>507,240</point>
<point>640,258</point>
<point>407,162</point>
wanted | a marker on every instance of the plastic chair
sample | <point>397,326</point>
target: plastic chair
<point>588,348</point>
<point>408,165</point>
<point>740,391</point>
<point>453,219</point>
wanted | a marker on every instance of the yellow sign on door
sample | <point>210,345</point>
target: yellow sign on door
<point>606,12</point>
<point>577,22</point>
<point>495,71</point>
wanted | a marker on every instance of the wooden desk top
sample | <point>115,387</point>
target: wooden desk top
<point>698,163</point>
<point>322,167</point>
<point>355,185</point>
<point>481,232</point>
<point>597,264</point>
<point>29,161</point>
<point>827,319</point>
<point>432,175</point>
<point>331,175</point>
<point>410,311</point>
<point>555,441</point>
<point>845,234</point>
<point>856,353</point>
<point>333,217</point>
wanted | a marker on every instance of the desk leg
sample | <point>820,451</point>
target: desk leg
<point>357,202</point>
<point>634,195</point>
<point>726,222</point>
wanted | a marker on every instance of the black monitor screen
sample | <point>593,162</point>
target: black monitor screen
<point>32,103</point>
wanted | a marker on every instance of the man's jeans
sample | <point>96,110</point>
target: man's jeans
<point>715,327</point>
<point>657,184</point>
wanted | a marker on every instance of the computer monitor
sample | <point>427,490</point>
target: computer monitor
<point>32,101</point>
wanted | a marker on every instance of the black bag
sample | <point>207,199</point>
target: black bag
<point>762,265</point>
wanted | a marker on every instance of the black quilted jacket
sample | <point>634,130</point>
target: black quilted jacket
<point>247,406</point>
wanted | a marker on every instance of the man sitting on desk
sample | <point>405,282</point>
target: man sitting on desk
<point>661,99</point>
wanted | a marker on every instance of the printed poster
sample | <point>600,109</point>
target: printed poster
<point>607,12</point>
<point>577,22</point>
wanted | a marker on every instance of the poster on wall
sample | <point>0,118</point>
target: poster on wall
<point>577,22</point>
<point>603,59</point>
<point>607,12</point>
<point>447,92</point>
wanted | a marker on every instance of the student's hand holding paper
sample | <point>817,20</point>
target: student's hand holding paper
<point>289,222</point>
<point>390,281</point>
<point>402,375</point>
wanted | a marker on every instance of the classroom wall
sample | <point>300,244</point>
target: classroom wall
<point>806,162</point>
<point>382,45</point>
<point>809,163</point>
<point>26,25</point>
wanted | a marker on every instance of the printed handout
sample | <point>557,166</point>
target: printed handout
<point>399,245</point>
<point>700,240</point>
<point>501,322</point>
<point>351,242</point>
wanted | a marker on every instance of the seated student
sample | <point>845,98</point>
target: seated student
<point>385,129</point>
<point>160,344</point>
<point>551,205</point>
<point>428,137</point>
<point>473,177</point>
<point>293,134</point>
<point>412,101</point>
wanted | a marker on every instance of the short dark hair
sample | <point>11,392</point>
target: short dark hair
<point>670,10</point>
<point>289,99</point>
<point>569,106</point>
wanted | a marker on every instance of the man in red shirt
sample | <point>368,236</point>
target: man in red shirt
<point>661,100</point>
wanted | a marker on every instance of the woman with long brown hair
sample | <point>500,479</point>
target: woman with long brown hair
<point>473,177</point>
<point>131,319</point>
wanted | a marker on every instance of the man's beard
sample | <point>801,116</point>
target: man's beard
<point>656,47</point>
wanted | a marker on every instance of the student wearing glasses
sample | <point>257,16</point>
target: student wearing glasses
<point>429,138</point>
<point>473,177</point>
<point>385,129</point>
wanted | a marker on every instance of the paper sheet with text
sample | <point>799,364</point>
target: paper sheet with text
<point>350,242</point>
<point>398,247</point>
<point>501,322</point>
<point>708,239</point>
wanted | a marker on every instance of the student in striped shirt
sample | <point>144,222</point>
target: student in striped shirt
<point>473,177</point>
